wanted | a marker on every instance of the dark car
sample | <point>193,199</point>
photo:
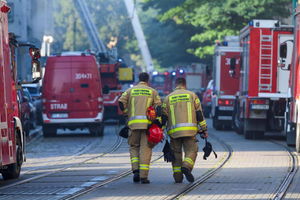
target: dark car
<point>24,109</point>
<point>33,110</point>
<point>35,93</point>
<point>206,99</point>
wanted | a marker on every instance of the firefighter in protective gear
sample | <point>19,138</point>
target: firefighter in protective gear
<point>183,114</point>
<point>134,103</point>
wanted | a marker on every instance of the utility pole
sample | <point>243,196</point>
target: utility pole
<point>132,13</point>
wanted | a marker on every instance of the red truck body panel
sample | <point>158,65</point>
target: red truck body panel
<point>72,90</point>
<point>251,46</point>
<point>8,96</point>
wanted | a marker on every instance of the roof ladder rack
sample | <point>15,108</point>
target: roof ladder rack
<point>265,61</point>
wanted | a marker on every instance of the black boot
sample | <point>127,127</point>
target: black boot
<point>136,176</point>
<point>144,181</point>
<point>188,174</point>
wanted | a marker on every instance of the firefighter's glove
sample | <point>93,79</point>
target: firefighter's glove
<point>203,134</point>
<point>124,132</point>
<point>208,149</point>
<point>168,153</point>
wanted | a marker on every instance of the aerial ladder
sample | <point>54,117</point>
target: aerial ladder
<point>132,13</point>
<point>91,30</point>
<point>112,71</point>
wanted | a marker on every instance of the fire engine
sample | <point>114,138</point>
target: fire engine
<point>112,72</point>
<point>260,103</point>
<point>227,58</point>
<point>162,82</point>
<point>113,75</point>
<point>12,136</point>
<point>291,63</point>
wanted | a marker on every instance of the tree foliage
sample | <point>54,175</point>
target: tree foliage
<point>215,19</point>
<point>111,20</point>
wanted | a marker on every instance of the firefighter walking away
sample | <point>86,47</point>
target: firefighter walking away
<point>183,114</point>
<point>134,103</point>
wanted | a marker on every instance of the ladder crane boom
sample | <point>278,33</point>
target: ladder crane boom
<point>90,27</point>
<point>139,35</point>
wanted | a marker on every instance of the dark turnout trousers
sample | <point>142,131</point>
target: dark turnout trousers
<point>190,147</point>
<point>140,152</point>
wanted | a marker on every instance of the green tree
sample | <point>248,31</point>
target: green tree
<point>69,33</point>
<point>221,18</point>
<point>111,20</point>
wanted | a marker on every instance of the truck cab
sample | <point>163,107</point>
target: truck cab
<point>226,76</point>
<point>261,103</point>
<point>13,137</point>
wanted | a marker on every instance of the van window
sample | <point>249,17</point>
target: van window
<point>84,85</point>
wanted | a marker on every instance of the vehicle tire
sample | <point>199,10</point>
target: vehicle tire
<point>290,135</point>
<point>247,133</point>
<point>49,131</point>
<point>13,170</point>
<point>96,130</point>
<point>217,124</point>
<point>257,135</point>
<point>298,138</point>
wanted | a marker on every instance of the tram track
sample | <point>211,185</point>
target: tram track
<point>191,186</point>
<point>207,175</point>
<point>288,179</point>
<point>112,149</point>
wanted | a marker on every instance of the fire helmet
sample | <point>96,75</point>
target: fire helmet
<point>151,113</point>
<point>155,134</point>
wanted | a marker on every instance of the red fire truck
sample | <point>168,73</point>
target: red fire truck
<point>227,58</point>
<point>112,77</point>
<point>260,103</point>
<point>12,136</point>
<point>162,82</point>
<point>288,48</point>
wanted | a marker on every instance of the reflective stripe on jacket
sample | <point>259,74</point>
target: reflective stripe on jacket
<point>180,106</point>
<point>136,100</point>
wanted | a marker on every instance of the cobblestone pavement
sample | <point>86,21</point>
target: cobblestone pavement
<point>255,171</point>
<point>47,154</point>
<point>162,183</point>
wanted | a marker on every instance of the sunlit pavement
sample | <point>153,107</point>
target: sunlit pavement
<point>255,171</point>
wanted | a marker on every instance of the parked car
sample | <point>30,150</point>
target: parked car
<point>33,110</point>
<point>24,109</point>
<point>206,99</point>
<point>35,93</point>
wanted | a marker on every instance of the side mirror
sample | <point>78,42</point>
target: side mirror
<point>36,71</point>
<point>105,89</point>
<point>283,50</point>
<point>232,67</point>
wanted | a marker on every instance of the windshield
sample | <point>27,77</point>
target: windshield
<point>158,80</point>
<point>32,90</point>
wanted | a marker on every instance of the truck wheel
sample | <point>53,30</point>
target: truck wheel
<point>216,124</point>
<point>49,131</point>
<point>290,135</point>
<point>247,133</point>
<point>13,170</point>
<point>96,130</point>
<point>298,138</point>
<point>258,135</point>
